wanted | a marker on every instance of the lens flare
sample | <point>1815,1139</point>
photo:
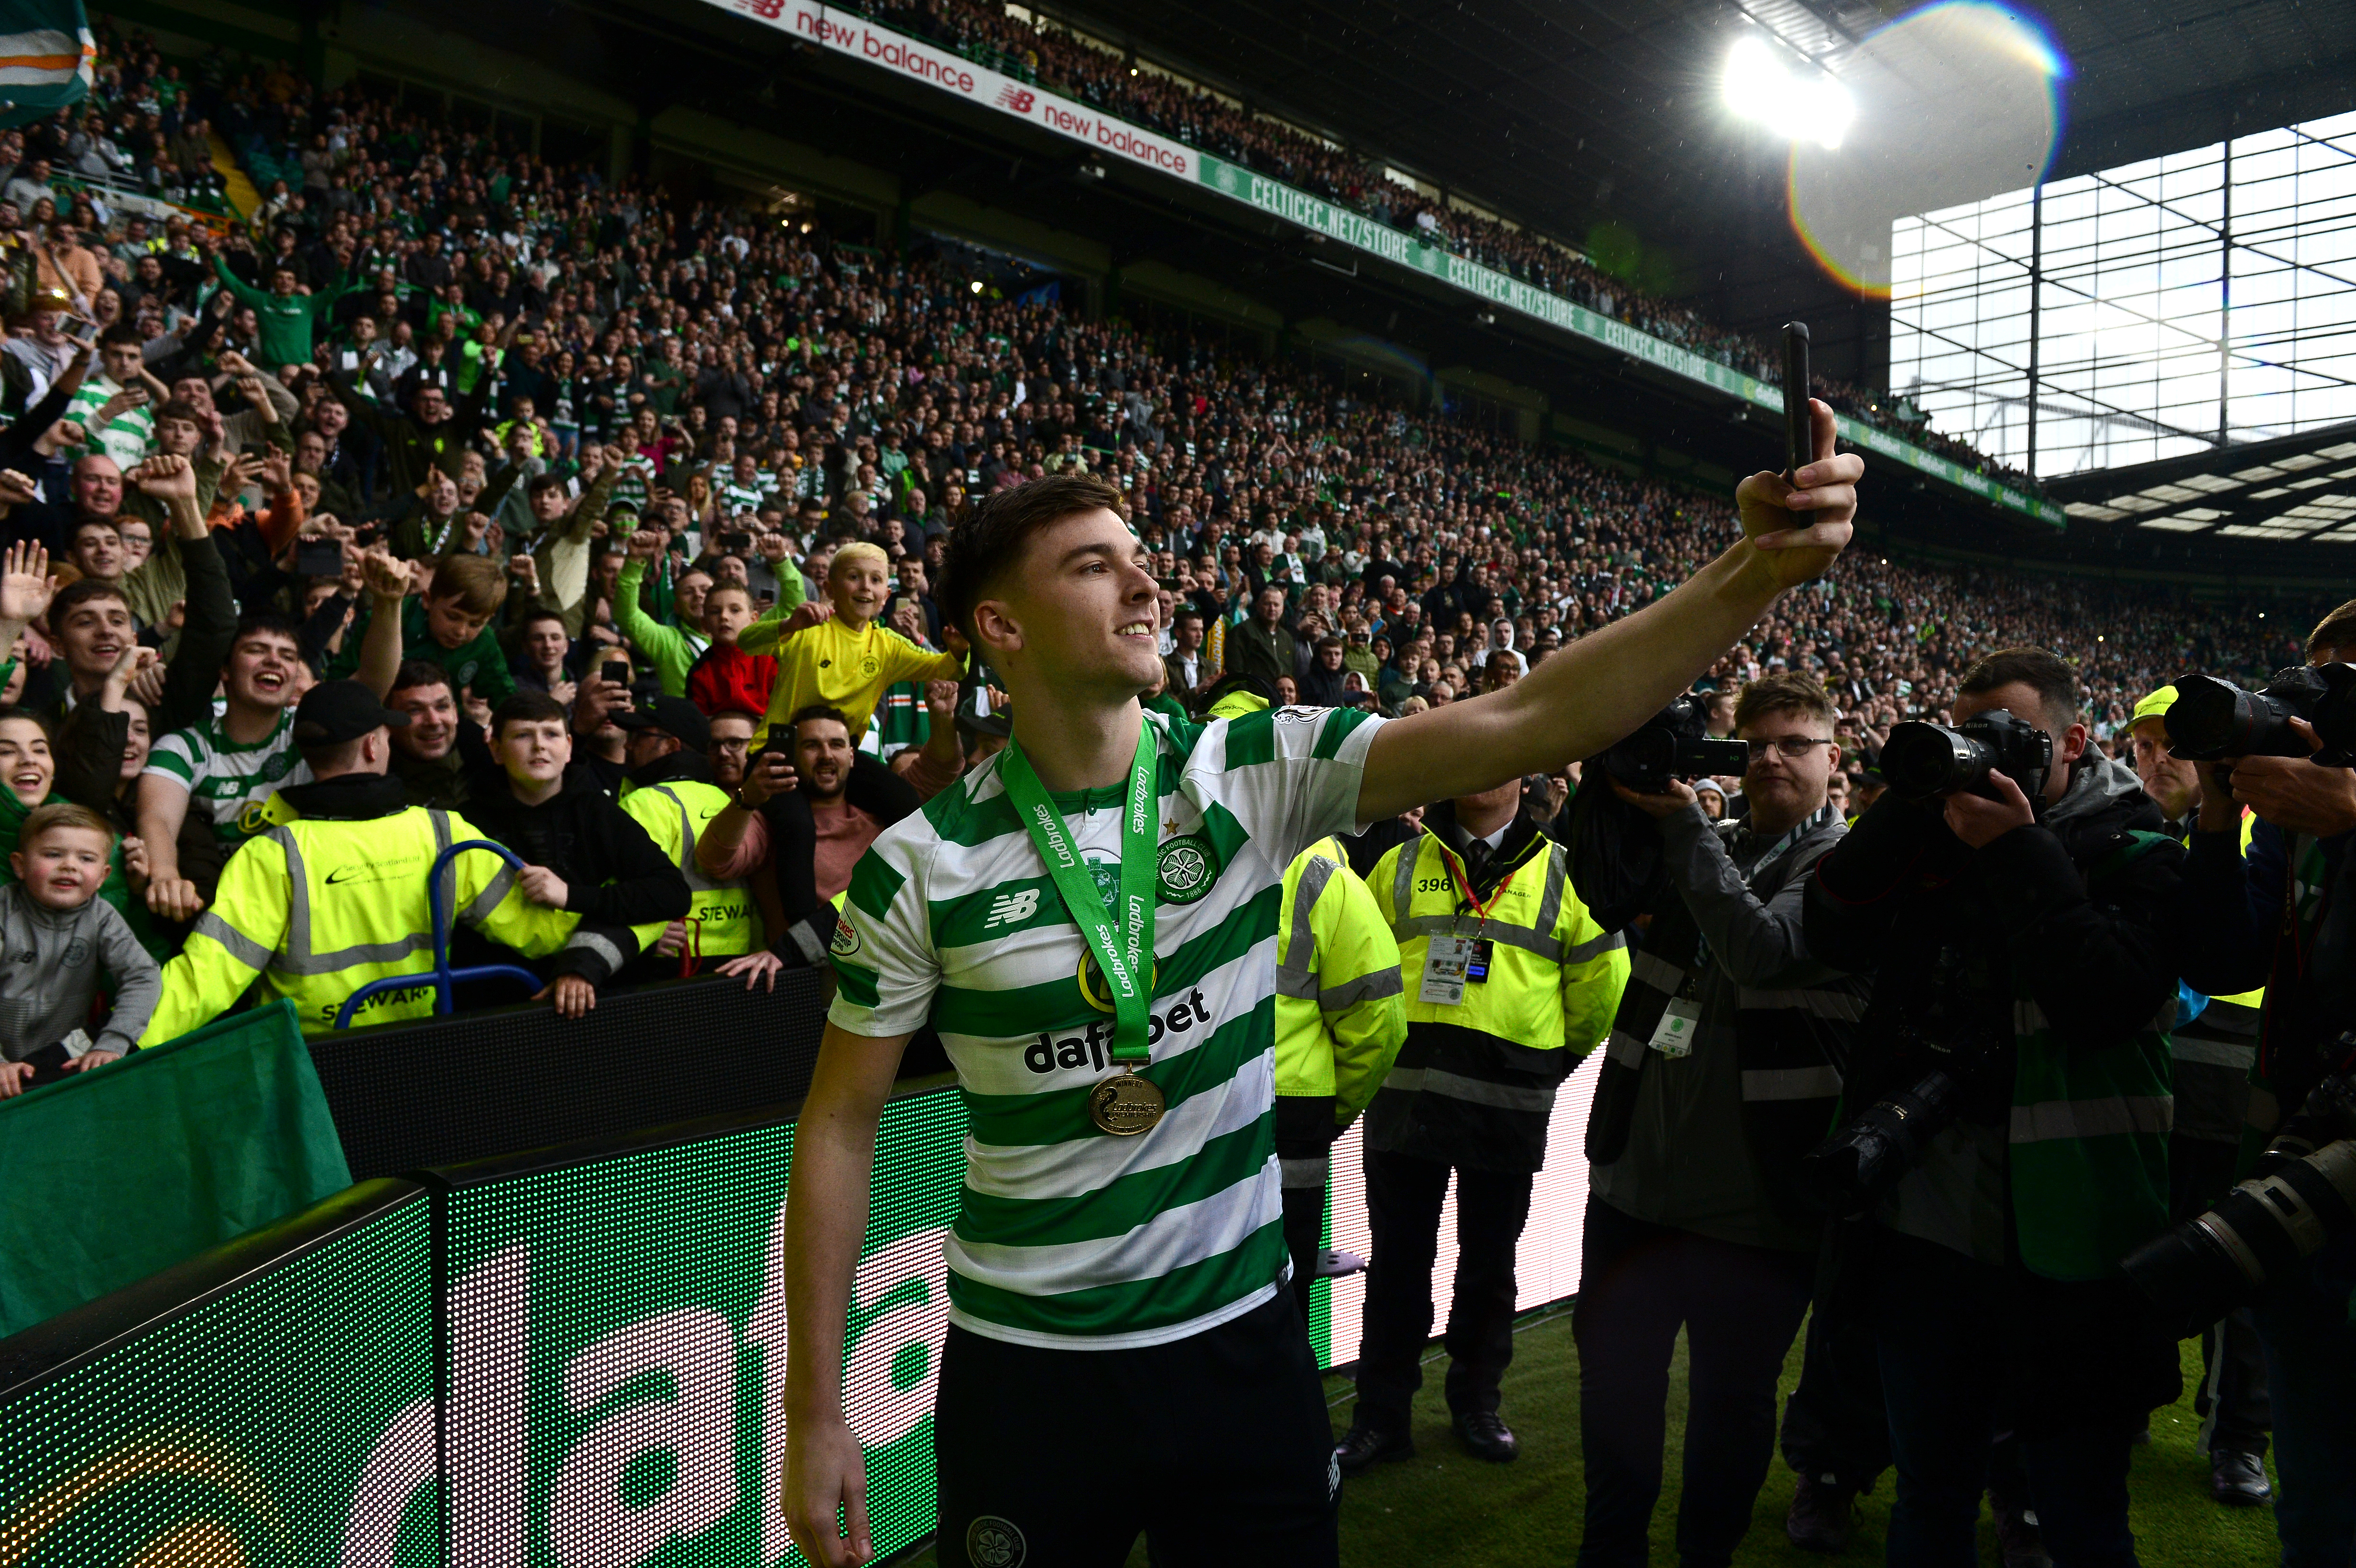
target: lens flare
<point>1953,103</point>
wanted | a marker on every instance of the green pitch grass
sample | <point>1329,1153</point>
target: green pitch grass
<point>1445,1506</point>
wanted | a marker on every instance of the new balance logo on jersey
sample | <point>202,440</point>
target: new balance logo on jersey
<point>1010,909</point>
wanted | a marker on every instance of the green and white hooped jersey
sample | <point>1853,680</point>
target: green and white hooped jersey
<point>1066,1236</point>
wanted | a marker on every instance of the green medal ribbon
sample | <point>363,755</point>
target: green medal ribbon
<point>1126,957</point>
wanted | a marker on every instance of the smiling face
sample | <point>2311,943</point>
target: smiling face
<point>26,767</point>
<point>260,670</point>
<point>62,869</point>
<point>432,727</point>
<point>97,486</point>
<point>98,553</point>
<point>93,636</point>
<point>860,588</point>
<point>822,757</point>
<point>1076,609</point>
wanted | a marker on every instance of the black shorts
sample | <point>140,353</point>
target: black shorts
<point>1217,1448</point>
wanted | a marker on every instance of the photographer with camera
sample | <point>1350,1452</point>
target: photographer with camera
<point>2277,913</point>
<point>2009,1106</point>
<point>1722,1070</point>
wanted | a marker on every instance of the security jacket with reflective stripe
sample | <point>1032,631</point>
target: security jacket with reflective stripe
<point>720,922</point>
<point>1711,1141</point>
<point>2216,1054</point>
<point>1474,1085</point>
<point>2060,944</point>
<point>1339,1019</point>
<point>321,905</point>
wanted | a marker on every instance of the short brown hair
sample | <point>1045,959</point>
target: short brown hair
<point>1786,691</point>
<point>2334,631</point>
<point>990,540</point>
<point>2055,683</point>
<point>816,710</point>
<point>74,595</point>
<point>476,581</point>
<point>63,814</point>
<point>525,708</point>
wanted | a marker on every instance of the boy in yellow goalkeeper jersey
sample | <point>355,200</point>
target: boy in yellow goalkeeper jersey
<point>836,651</point>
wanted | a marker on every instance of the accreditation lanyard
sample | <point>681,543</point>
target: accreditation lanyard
<point>1464,884</point>
<point>1125,957</point>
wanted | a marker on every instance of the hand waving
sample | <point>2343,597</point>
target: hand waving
<point>26,585</point>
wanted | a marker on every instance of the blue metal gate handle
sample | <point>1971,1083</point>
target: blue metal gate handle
<point>444,977</point>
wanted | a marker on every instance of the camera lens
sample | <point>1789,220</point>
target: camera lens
<point>2210,717</point>
<point>1922,759</point>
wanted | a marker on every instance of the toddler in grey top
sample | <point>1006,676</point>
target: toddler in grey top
<point>56,936</point>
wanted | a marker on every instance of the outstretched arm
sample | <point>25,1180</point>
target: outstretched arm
<point>1598,689</point>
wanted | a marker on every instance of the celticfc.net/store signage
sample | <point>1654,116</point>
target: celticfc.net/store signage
<point>847,33</point>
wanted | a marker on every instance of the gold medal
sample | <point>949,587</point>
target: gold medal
<point>1125,1104</point>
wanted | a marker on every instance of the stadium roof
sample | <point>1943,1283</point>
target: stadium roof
<point>2295,488</point>
<point>1562,117</point>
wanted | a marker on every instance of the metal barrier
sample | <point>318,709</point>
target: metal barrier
<point>444,977</point>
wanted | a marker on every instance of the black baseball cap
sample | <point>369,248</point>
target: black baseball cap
<point>335,711</point>
<point>673,716</point>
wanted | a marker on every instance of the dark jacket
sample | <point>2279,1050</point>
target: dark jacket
<point>1775,1029</point>
<point>615,877</point>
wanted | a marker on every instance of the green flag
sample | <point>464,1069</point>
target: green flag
<point>47,58</point>
<point>107,1177</point>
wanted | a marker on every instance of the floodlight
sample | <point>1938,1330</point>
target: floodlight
<point>1762,84</point>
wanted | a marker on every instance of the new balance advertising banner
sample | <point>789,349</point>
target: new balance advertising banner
<point>109,1176</point>
<point>847,33</point>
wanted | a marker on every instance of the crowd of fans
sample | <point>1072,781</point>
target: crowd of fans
<point>1039,51</point>
<point>620,498</point>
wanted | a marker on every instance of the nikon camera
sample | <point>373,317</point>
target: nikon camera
<point>2302,1196</point>
<point>1674,743</point>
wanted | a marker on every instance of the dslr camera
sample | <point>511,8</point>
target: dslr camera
<point>2212,718</point>
<point>2302,1196</point>
<point>1922,759</point>
<point>1674,743</point>
<point>1861,1163</point>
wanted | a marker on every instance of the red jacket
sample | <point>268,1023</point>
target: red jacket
<point>726,676</point>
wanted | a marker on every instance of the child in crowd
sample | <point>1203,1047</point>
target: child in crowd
<point>450,626</point>
<point>56,936</point>
<point>833,653</point>
<point>716,677</point>
<point>585,854</point>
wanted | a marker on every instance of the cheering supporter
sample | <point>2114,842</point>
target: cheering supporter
<point>60,937</point>
<point>835,654</point>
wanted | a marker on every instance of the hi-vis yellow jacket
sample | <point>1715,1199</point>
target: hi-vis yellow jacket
<point>1339,1019</point>
<point>720,917</point>
<point>1475,1082</point>
<point>319,907</point>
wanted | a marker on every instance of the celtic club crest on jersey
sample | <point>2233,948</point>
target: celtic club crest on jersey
<point>1184,870</point>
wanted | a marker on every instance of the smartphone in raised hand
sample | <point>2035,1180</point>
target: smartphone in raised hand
<point>1799,429</point>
